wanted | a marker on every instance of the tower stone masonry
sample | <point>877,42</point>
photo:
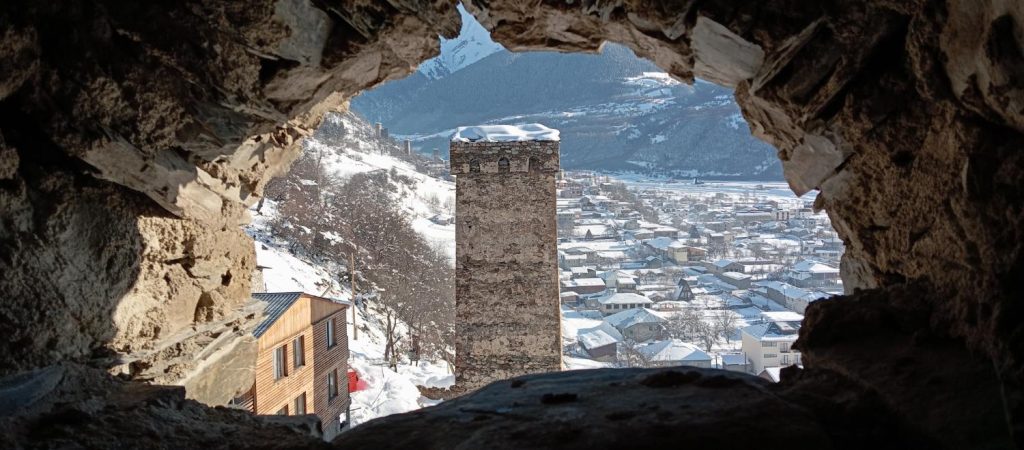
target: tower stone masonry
<point>507,313</point>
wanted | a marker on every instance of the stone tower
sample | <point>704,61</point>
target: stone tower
<point>506,289</point>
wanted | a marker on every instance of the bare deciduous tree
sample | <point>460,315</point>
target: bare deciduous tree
<point>326,219</point>
<point>629,355</point>
<point>725,325</point>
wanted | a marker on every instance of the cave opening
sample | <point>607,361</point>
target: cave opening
<point>911,151</point>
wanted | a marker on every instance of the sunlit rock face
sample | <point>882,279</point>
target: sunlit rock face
<point>133,135</point>
<point>133,139</point>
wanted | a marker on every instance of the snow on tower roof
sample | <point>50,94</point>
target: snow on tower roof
<point>505,133</point>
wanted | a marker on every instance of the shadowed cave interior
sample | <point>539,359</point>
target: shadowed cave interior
<point>133,135</point>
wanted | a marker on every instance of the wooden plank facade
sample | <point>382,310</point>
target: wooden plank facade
<point>303,387</point>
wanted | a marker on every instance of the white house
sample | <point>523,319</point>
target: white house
<point>615,302</point>
<point>813,274</point>
<point>796,299</point>
<point>768,344</point>
<point>674,352</point>
<point>619,280</point>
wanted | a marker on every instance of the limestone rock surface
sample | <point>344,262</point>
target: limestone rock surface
<point>133,135</point>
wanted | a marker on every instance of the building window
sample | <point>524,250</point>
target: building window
<point>784,347</point>
<point>281,362</point>
<point>332,384</point>
<point>503,166</point>
<point>768,344</point>
<point>533,165</point>
<point>299,351</point>
<point>331,342</point>
<point>300,404</point>
<point>770,355</point>
<point>474,166</point>
<point>283,411</point>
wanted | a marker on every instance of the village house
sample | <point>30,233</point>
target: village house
<point>600,342</point>
<point>769,344</point>
<point>831,248</point>
<point>566,219</point>
<point>302,360</point>
<point>747,217</point>
<point>569,298</point>
<point>812,274</point>
<point>638,325</point>
<point>614,302</point>
<point>794,298</point>
<point>583,286</point>
<point>735,362</point>
<point>571,190</point>
<point>674,352</point>
<point>609,258</point>
<point>684,292</point>
<point>582,272</point>
<point>723,265</point>
<point>664,231</point>
<point>574,257</point>
<point>619,280</point>
<point>737,279</point>
<point>671,248</point>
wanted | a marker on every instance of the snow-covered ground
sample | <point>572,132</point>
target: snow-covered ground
<point>769,190</point>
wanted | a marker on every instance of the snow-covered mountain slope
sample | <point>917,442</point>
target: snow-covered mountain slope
<point>473,44</point>
<point>348,146</point>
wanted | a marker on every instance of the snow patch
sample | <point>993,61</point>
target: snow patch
<point>473,44</point>
<point>505,133</point>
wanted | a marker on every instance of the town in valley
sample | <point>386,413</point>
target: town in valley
<point>688,272</point>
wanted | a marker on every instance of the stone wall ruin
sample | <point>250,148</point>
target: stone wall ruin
<point>508,321</point>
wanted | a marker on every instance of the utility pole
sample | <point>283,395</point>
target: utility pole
<point>352,280</point>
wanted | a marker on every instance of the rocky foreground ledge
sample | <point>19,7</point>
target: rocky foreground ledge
<point>643,408</point>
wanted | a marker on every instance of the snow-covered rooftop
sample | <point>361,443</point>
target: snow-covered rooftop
<point>599,336</point>
<point>592,282</point>
<point>782,316</point>
<point>505,133</point>
<point>630,317</point>
<point>627,298</point>
<point>812,266</point>
<point>674,351</point>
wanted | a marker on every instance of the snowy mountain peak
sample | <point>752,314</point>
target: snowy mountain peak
<point>473,44</point>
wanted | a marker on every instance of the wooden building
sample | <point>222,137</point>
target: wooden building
<point>302,363</point>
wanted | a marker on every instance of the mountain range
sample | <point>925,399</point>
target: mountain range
<point>615,111</point>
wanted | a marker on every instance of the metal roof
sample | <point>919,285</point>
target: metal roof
<point>275,304</point>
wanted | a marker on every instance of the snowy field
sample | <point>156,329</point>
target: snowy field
<point>778,191</point>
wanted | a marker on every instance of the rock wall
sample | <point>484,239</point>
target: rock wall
<point>133,135</point>
<point>132,138</point>
<point>506,261</point>
<point>903,115</point>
